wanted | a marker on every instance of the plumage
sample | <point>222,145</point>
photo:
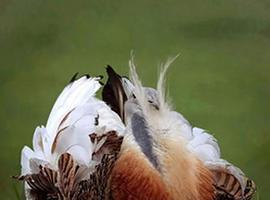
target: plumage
<point>131,145</point>
<point>152,143</point>
<point>204,145</point>
<point>200,148</point>
<point>70,124</point>
<point>113,93</point>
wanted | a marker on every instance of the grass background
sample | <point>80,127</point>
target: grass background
<point>221,81</point>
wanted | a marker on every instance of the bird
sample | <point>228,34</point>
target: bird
<point>128,145</point>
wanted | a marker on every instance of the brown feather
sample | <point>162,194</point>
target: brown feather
<point>228,187</point>
<point>59,131</point>
<point>113,92</point>
<point>97,187</point>
<point>64,184</point>
<point>111,145</point>
<point>250,189</point>
<point>67,172</point>
<point>133,178</point>
<point>42,184</point>
<point>205,186</point>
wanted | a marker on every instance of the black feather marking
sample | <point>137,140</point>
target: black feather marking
<point>96,120</point>
<point>87,75</point>
<point>250,189</point>
<point>101,83</point>
<point>100,77</point>
<point>125,77</point>
<point>93,137</point>
<point>74,77</point>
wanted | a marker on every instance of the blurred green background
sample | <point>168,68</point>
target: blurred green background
<point>220,82</point>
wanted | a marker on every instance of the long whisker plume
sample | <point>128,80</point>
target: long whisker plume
<point>161,84</point>
<point>138,88</point>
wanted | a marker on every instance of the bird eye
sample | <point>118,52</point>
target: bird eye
<point>133,95</point>
<point>153,104</point>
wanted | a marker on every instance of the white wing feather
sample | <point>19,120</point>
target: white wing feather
<point>204,145</point>
<point>206,148</point>
<point>75,94</point>
<point>71,121</point>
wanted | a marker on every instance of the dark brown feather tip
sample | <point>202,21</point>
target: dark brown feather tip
<point>74,77</point>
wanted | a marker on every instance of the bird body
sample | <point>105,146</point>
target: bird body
<point>129,146</point>
<point>164,151</point>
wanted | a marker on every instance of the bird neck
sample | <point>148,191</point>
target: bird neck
<point>133,177</point>
<point>185,176</point>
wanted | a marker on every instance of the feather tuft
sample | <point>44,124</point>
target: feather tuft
<point>138,88</point>
<point>162,82</point>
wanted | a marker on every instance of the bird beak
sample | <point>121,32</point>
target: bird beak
<point>114,93</point>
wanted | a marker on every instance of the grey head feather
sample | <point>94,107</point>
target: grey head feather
<point>152,97</point>
<point>144,138</point>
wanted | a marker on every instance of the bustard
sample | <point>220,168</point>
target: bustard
<point>131,145</point>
